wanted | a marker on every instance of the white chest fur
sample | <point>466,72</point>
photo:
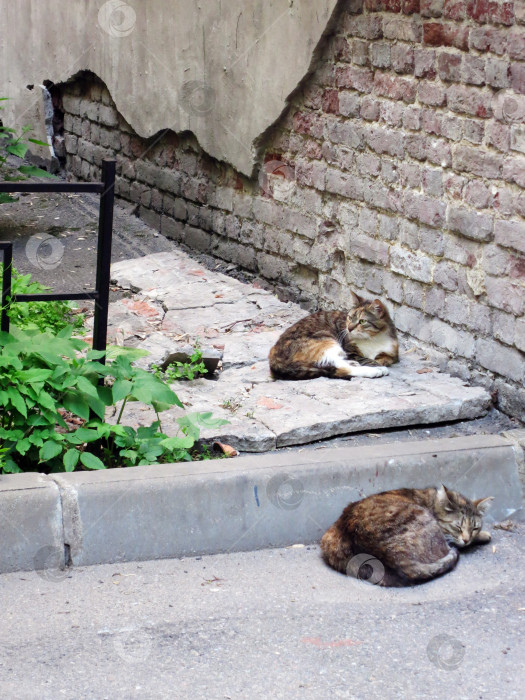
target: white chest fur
<point>372,347</point>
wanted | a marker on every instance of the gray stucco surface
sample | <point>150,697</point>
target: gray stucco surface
<point>214,68</point>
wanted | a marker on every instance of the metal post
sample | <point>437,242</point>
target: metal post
<point>105,231</point>
<point>6,284</point>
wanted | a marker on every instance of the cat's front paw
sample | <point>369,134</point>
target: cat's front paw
<point>373,372</point>
<point>482,537</point>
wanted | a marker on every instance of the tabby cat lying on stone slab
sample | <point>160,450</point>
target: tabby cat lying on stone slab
<point>402,537</point>
<point>360,342</point>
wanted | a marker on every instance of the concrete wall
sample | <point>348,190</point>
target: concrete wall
<point>397,171</point>
<point>214,68</point>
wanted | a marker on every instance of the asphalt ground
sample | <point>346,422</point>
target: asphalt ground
<point>268,624</point>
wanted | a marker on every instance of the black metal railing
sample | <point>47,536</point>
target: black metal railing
<point>106,190</point>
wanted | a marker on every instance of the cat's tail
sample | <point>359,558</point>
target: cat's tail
<point>418,571</point>
<point>295,370</point>
<point>335,552</point>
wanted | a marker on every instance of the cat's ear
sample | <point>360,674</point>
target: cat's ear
<point>355,300</point>
<point>482,504</point>
<point>378,308</point>
<point>442,496</point>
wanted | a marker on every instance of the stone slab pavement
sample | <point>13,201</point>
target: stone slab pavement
<point>175,302</point>
<point>274,624</point>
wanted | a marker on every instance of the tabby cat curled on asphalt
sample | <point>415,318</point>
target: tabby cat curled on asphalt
<point>402,537</point>
<point>343,344</point>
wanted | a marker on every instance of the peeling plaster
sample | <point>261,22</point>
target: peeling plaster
<point>222,69</point>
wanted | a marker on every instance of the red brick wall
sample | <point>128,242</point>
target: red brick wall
<point>398,171</point>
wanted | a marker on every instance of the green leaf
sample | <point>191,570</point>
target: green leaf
<point>49,450</point>
<point>87,387</point>
<point>18,149</point>
<point>87,435</point>
<point>17,400</point>
<point>30,170</point>
<point>121,389</point>
<point>178,443</point>
<point>38,143</point>
<point>91,461</point>
<point>71,458</point>
<point>77,404</point>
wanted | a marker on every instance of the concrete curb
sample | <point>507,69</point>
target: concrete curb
<point>253,502</point>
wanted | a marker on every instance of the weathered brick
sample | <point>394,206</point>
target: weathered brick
<point>393,286</point>
<point>445,34</point>
<point>509,108</point>
<point>359,51</point>
<point>454,9</point>
<point>473,70</point>
<point>348,103</point>
<point>432,94</point>
<point>452,128</point>
<point>519,338</point>
<point>402,58</point>
<point>361,79</point>
<point>389,173</point>
<point>504,295</point>
<point>470,223</point>
<point>517,77</point>
<point>449,66</point>
<point>510,234</point>
<point>513,170</point>
<point>498,135</point>
<point>344,184</point>
<point>467,100</point>
<point>365,26</point>
<point>505,327</point>
<point>431,8</point>
<point>425,63</point>
<point>391,113</point>
<point>500,359</point>
<point>409,264</point>
<point>368,164</point>
<point>517,137</point>
<point>432,180</point>
<point>394,87</point>
<point>385,141</point>
<point>477,194</point>
<point>425,209</point>
<point>410,175</point>
<point>441,334</point>
<point>380,54</point>
<point>367,248</point>
<point>488,39</point>
<point>431,121</point>
<point>474,131</point>
<point>381,197</point>
<point>434,301</point>
<point>497,73</point>
<point>446,276</point>
<point>439,153</point>
<point>402,29</point>
<point>412,118</point>
<point>477,162</point>
<point>369,109</point>
<point>414,294</point>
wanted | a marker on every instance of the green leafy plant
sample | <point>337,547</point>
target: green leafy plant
<point>183,370</point>
<point>46,381</point>
<point>14,143</point>
<point>52,316</point>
